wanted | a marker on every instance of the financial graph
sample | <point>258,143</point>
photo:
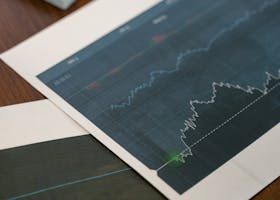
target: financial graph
<point>247,98</point>
<point>247,106</point>
<point>181,91</point>
<point>79,167</point>
<point>189,52</point>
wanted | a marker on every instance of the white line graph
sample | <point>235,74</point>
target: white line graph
<point>188,53</point>
<point>190,123</point>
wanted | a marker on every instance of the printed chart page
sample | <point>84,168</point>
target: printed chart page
<point>48,156</point>
<point>186,92</point>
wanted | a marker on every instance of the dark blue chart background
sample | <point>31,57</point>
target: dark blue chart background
<point>182,86</point>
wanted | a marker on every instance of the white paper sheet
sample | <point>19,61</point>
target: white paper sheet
<point>236,179</point>
<point>35,122</point>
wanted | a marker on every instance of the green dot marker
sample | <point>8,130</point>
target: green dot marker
<point>172,158</point>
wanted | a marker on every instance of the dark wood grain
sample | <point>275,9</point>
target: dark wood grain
<point>20,19</point>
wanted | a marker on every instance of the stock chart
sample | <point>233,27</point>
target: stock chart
<point>183,87</point>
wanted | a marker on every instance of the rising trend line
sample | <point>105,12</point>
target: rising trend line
<point>188,53</point>
<point>68,184</point>
<point>191,122</point>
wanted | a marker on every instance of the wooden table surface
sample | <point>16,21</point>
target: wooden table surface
<point>20,19</point>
